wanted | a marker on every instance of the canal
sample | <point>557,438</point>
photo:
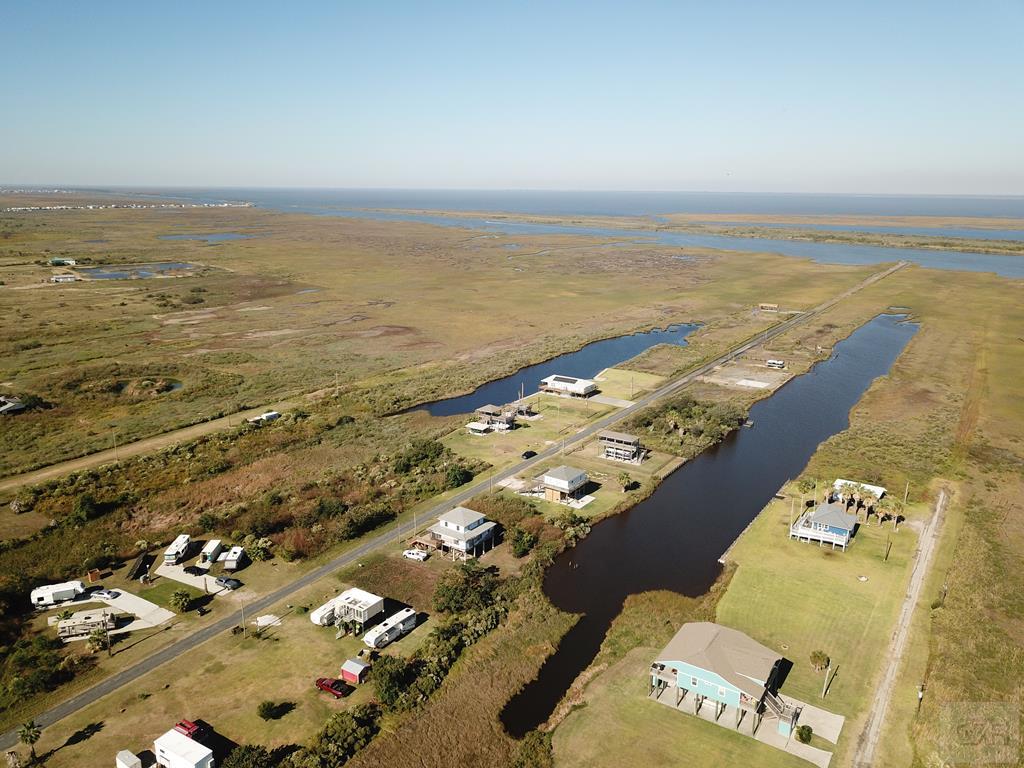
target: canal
<point>584,363</point>
<point>674,538</point>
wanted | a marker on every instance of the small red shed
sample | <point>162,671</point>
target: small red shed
<point>354,671</point>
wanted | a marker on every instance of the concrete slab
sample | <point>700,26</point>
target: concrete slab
<point>766,733</point>
<point>615,402</point>
<point>147,614</point>
<point>826,724</point>
<point>177,573</point>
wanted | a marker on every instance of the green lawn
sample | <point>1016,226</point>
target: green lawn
<point>799,597</point>
<point>627,384</point>
<point>559,418</point>
<point>620,726</point>
<point>222,681</point>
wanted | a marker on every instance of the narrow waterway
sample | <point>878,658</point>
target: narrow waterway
<point>584,363</point>
<point>673,539</point>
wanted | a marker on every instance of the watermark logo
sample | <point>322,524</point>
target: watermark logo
<point>979,733</point>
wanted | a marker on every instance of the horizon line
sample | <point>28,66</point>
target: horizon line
<point>43,187</point>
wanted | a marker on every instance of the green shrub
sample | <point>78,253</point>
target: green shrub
<point>521,541</point>
<point>804,733</point>
<point>464,588</point>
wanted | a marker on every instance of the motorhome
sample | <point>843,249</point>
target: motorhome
<point>780,364</point>
<point>175,553</point>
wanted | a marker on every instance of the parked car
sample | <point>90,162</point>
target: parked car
<point>415,554</point>
<point>228,583</point>
<point>193,570</point>
<point>105,594</point>
<point>529,454</point>
<point>337,688</point>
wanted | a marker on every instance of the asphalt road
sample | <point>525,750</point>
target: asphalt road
<point>176,649</point>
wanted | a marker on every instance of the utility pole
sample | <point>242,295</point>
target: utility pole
<point>106,631</point>
<point>906,493</point>
<point>243,620</point>
<point>115,447</point>
<point>824,684</point>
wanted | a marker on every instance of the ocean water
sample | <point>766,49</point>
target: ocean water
<point>357,203</point>
<point>560,203</point>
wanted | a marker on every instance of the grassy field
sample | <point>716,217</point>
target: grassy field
<point>951,407</point>
<point>798,598</point>
<point>223,680</point>
<point>401,312</point>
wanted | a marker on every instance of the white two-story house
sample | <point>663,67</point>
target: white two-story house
<point>463,533</point>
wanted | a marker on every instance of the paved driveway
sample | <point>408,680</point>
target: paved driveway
<point>147,614</point>
<point>203,583</point>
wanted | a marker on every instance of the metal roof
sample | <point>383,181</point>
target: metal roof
<point>835,515</point>
<point>180,745</point>
<point>462,516</point>
<point>564,473</point>
<point>877,490</point>
<point>355,666</point>
<point>727,652</point>
<point>622,437</point>
<point>462,535</point>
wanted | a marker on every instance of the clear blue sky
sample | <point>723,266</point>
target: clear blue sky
<point>915,97</point>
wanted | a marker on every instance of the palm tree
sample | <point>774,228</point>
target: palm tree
<point>625,481</point>
<point>849,493</point>
<point>181,600</point>
<point>29,734</point>
<point>871,505</point>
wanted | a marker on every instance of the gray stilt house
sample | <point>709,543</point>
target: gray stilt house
<point>708,665</point>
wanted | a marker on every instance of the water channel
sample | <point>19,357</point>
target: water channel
<point>583,363</point>
<point>674,539</point>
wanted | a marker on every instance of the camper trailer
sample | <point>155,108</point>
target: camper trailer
<point>175,553</point>
<point>235,559</point>
<point>51,594</point>
<point>391,628</point>
<point>351,605</point>
<point>209,554</point>
<point>82,624</point>
<point>779,364</point>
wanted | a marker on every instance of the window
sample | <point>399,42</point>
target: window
<point>721,692</point>
<point>694,682</point>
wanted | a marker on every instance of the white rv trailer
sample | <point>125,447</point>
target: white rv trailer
<point>209,554</point>
<point>51,594</point>
<point>176,552</point>
<point>234,559</point>
<point>780,364</point>
<point>351,605</point>
<point>391,628</point>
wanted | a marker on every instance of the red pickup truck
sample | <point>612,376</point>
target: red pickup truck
<point>337,688</point>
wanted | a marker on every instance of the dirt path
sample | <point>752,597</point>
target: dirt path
<point>865,755</point>
<point>146,445</point>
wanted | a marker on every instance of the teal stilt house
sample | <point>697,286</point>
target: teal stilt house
<point>715,666</point>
